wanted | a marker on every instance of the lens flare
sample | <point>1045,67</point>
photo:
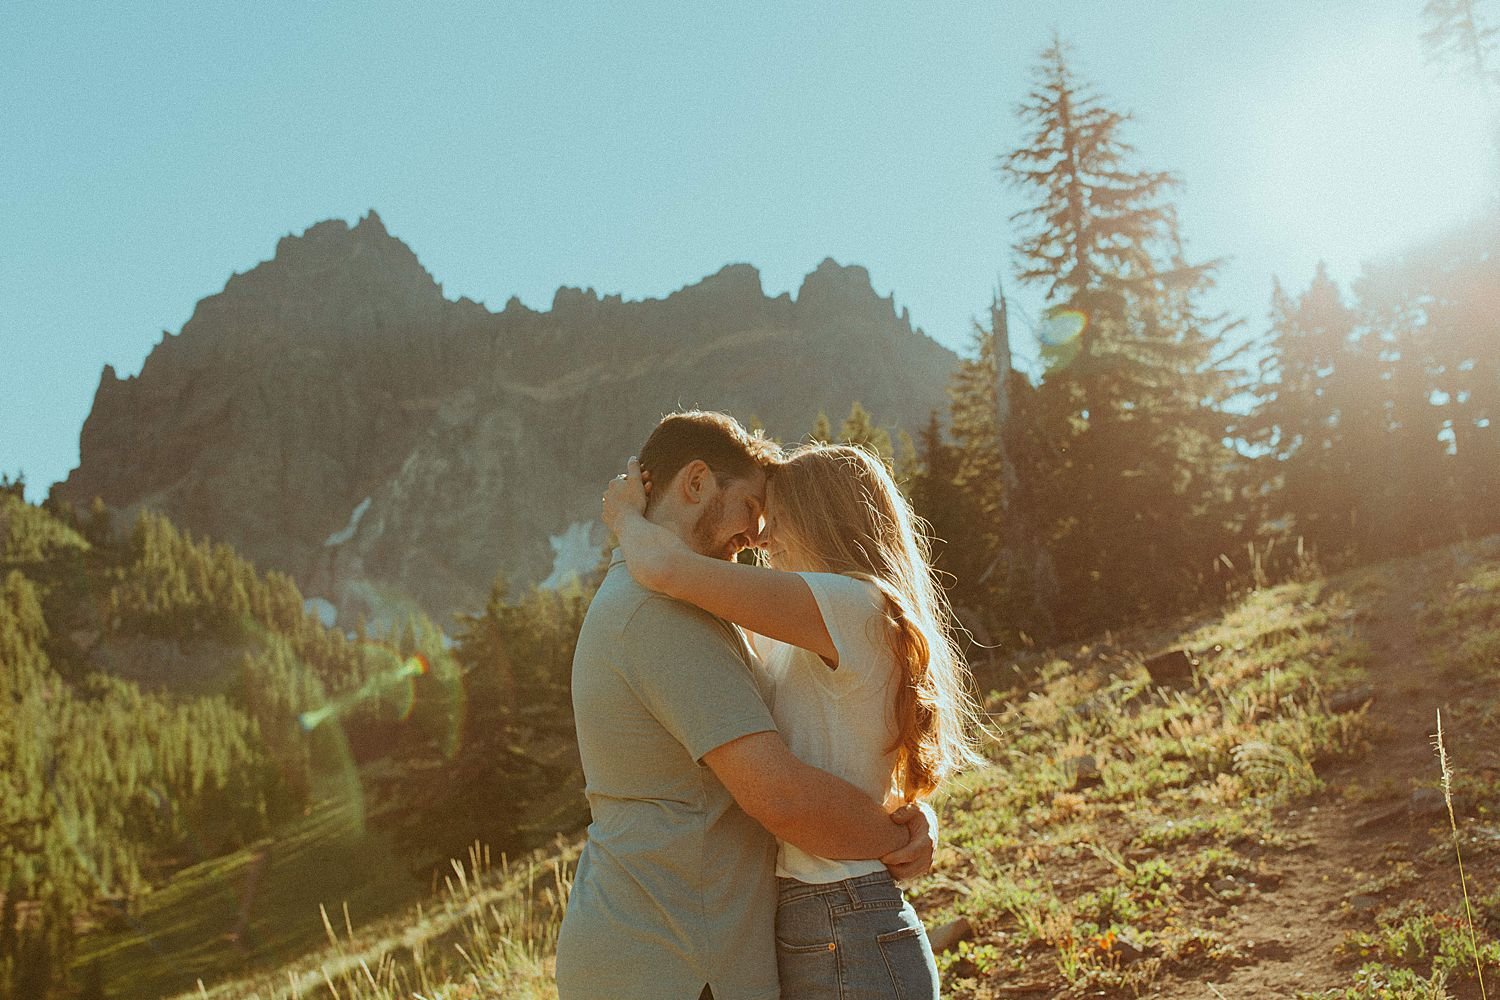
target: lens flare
<point>1062,326</point>
<point>1061,336</point>
<point>398,682</point>
<point>315,718</point>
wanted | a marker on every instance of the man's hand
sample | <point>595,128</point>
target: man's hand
<point>916,857</point>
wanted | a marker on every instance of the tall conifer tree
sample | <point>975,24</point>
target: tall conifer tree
<point>1130,479</point>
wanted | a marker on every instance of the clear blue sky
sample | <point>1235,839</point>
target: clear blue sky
<point>148,151</point>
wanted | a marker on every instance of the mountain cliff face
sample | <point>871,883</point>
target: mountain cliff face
<point>332,415</point>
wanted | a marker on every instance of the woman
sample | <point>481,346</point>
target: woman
<point>864,682</point>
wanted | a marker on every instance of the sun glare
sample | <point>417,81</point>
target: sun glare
<point>1362,148</point>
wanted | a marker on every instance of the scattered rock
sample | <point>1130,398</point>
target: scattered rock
<point>1085,773</point>
<point>1225,884</point>
<point>1125,949</point>
<point>1171,669</point>
<point>1351,700</point>
<point>950,934</point>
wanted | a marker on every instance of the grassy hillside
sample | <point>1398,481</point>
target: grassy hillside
<point>252,916</point>
<point>209,919</point>
<point>189,760</point>
<point>1272,825</point>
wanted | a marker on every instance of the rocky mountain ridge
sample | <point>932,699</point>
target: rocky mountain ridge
<point>331,414</point>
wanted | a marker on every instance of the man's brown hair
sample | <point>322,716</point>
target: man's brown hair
<point>717,438</point>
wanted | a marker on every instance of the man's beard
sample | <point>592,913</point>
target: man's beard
<point>706,532</point>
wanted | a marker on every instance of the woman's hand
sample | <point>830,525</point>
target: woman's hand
<point>653,554</point>
<point>625,497</point>
<point>916,857</point>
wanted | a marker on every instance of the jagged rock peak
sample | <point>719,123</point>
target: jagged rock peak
<point>568,299</point>
<point>335,237</point>
<point>831,276</point>
<point>735,279</point>
<point>371,224</point>
<point>321,234</point>
<point>363,254</point>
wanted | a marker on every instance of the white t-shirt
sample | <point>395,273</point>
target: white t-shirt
<point>840,720</point>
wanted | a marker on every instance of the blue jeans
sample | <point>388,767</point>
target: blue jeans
<point>858,939</point>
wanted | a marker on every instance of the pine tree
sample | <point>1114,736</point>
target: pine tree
<point>93,982</point>
<point>1457,33</point>
<point>9,927</point>
<point>515,658</point>
<point>859,429</point>
<point>957,552</point>
<point>98,527</point>
<point>822,431</point>
<point>1430,320</point>
<point>1129,465</point>
<point>1307,363</point>
<point>1007,577</point>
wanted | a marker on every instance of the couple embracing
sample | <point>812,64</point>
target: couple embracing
<point>757,740</point>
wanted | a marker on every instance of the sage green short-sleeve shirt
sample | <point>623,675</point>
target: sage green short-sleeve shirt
<point>675,888</point>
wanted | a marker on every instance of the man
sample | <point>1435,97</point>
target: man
<point>687,779</point>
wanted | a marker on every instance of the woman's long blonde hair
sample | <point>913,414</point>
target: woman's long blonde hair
<point>841,507</point>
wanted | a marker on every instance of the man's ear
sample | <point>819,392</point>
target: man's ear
<point>694,480</point>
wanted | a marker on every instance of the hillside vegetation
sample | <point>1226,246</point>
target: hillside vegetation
<point>189,756</point>
<point>1272,824</point>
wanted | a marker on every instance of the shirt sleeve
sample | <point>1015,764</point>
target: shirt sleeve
<point>688,670</point>
<point>854,613</point>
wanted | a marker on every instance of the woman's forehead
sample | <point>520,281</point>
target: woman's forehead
<point>770,491</point>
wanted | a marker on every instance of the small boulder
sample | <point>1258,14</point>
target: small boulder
<point>1124,948</point>
<point>1341,702</point>
<point>950,934</point>
<point>1172,668</point>
<point>1085,772</point>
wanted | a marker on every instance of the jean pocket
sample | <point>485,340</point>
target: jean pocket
<point>908,960</point>
<point>804,926</point>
